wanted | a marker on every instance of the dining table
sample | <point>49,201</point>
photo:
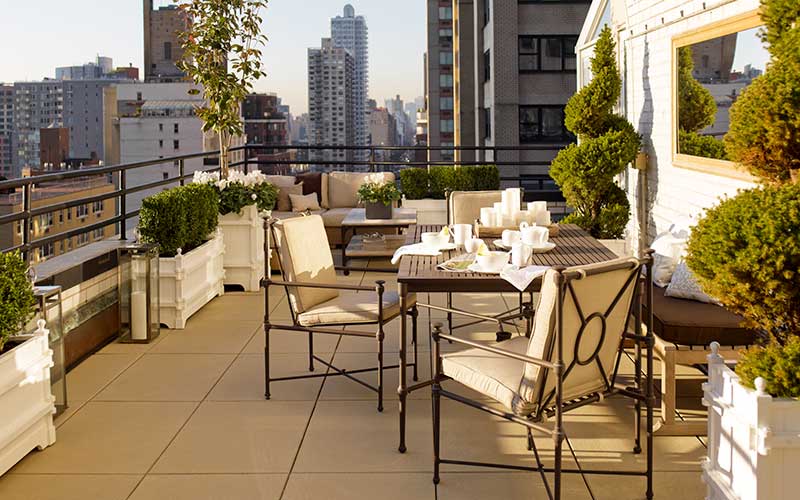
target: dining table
<point>418,274</point>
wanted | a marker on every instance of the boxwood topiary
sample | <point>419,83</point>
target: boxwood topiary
<point>443,179</point>
<point>414,183</point>
<point>778,365</point>
<point>16,296</point>
<point>182,217</point>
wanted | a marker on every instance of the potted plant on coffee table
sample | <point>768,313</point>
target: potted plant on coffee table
<point>27,404</point>
<point>378,196</point>
<point>243,200</point>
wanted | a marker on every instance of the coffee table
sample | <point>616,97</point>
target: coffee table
<point>356,221</point>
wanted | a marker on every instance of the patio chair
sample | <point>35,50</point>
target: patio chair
<point>320,305</point>
<point>571,360</point>
<point>463,207</point>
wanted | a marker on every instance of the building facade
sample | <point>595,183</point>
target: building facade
<point>382,131</point>
<point>162,46</point>
<point>439,79</point>
<point>100,68</point>
<point>331,108</point>
<point>6,130</point>
<point>264,122</point>
<point>350,32</point>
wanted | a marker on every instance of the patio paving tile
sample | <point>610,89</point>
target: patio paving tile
<point>168,377</point>
<point>218,336</point>
<point>238,437</point>
<point>210,487</point>
<point>386,486</point>
<point>110,438</point>
<point>94,373</point>
<point>284,341</point>
<point>67,487</point>
<point>247,306</point>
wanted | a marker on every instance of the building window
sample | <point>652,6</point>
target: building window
<point>547,53</point>
<point>445,35</point>
<point>446,103</point>
<point>176,144</point>
<point>46,250</point>
<point>446,81</point>
<point>447,126</point>
<point>97,207</point>
<point>138,96</point>
<point>160,127</point>
<point>487,11</point>
<point>82,211</point>
<point>165,175</point>
<point>445,13</point>
<point>175,128</point>
<point>161,143</point>
<point>487,66</point>
<point>69,214</point>
<point>448,154</point>
<point>97,234</point>
<point>543,124</point>
<point>82,239</point>
<point>446,58</point>
<point>487,123</point>
<point>168,51</point>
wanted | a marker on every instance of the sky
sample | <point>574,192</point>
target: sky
<point>40,35</point>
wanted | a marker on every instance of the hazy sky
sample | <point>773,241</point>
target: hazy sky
<point>40,35</point>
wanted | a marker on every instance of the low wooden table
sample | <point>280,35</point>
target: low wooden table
<point>356,221</point>
<point>419,274</point>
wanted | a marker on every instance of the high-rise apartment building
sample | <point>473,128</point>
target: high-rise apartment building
<point>439,74</point>
<point>6,129</point>
<point>350,32</point>
<point>264,122</point>
<point>37,105</point>
<point>162,46</point>
<point>100,68</point>
<point>331,109</point>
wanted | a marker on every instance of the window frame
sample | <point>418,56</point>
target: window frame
<point>565,138</point>
<point>564,39</point>
<point>487,66</point>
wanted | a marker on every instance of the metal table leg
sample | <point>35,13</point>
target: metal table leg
<point>401,389</point>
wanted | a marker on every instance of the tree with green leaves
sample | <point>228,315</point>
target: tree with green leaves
<point>607,143</point>
<point>222,55</point>
<point>16,295</point>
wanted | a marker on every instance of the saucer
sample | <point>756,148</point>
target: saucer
<point>499,244</point>
<point>544,248</point>
<point>476,268</point>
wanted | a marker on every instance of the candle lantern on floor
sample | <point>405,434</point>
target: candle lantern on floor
<point>48,308</point>
<point>139,320</point>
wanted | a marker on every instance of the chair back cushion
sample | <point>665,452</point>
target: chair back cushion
<point>596,308</point>
<point>305,256</point>
<point>343,188</point>
<point>465,206</point>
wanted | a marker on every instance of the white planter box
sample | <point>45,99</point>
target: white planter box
<point>189,281</point>
<point>753,439</point>
<point>619,247</point>
<point>27,404</point>
<point>429,211</point>
<point>244,248</point>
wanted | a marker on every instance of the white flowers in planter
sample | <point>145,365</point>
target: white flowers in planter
<point>239,190</point>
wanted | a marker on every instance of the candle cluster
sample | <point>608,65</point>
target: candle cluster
<point>508,212</point>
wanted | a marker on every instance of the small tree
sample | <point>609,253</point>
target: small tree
<point>585,171</point>
<point>16,295</point>
<point>223,33</point>
<point>696,111</point>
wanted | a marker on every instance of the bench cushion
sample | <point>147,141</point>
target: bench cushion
<point>689,322</point>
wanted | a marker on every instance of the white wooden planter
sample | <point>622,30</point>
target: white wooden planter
<point>429,211</point>
<point>753,438</point>
<point>243,235</point>
<point>27,404</point>
<point>189,281</point>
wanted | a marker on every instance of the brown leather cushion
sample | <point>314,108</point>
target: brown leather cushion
<point>689,322</point>
<point>312,183</point>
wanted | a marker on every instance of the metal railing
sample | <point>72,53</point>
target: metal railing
<point>25,189</point>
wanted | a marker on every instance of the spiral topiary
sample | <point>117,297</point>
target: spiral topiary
<point>607,144</point>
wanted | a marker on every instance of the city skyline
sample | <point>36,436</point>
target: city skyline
<point>397,36</point>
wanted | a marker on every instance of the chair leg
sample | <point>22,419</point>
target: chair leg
<point>266,362</point>
<point>437,416</point>
<point>380,368</point>
<point>414,315</point>
<point>450,316</point>
<point>310,351</point>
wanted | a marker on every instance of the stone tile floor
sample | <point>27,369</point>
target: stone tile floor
<point>184,418</point>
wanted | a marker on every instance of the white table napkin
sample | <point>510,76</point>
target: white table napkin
<point>521,278</point>
<point>415,249</point>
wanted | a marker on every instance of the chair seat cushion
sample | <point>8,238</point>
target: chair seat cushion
<point>689,322</point>
<point>335,216</point>
<point>290,215</point>
<point>353,308</point>
<point>492,375</point>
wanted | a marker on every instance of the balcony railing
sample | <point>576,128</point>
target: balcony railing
<point>20,193</point>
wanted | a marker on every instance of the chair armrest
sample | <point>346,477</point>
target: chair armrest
<point>499,352</point>
<point>329,286</point>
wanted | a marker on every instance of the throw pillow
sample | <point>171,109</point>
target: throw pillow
<point>303,202</point>
<point>312,183</point>
<point>669,250</point>
<point>685,286</point>
<point>284,202</point>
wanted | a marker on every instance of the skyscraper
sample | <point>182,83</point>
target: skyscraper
<point>162,46</point>
<point>350,32</point>
<point>6,129</point>
<point>331,108</point>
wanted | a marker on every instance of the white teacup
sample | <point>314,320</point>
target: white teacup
<point>492,262</point>
<point>435,240</point>
<point>472,245</point>
<point>461,233</point>
<point>535,236</point>
<point>509,237</point>
<point>521,254</point>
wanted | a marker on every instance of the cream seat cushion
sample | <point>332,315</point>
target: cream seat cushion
<point>343,187</point>
<point>291,215</point>
<point>335,216</point>
<point>354,307</point>
<point>303,202</point>
<point>490,374</point>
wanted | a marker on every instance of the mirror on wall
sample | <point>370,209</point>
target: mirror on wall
<point>711,75</point>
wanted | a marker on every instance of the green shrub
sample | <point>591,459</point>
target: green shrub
<point>746,252</point>
<point>182,217</point>
<point>443,179</point>
<point>692,143</point>
<point>16,295</point>
<point>236,196</point>
<point>696,106</point>
<point>585,172</point>
<point>414,183</point>
<point>482,177</point>
<point>778,365</point>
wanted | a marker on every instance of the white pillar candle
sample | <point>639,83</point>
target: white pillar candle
<point>498,214</point>
<point>543,218</point>
<point>520,217</point>
<point>487,217</point>
<point>516,198</point>
<point>139,315</point>
<point>537,206</point>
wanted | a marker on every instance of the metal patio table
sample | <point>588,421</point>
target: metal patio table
<point>419,274</point>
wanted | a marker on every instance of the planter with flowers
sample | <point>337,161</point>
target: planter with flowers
<point>27,404</point>
<point>378,196</point>
<point>243,200</point>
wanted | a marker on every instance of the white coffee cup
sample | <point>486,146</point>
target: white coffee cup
<point>492,262</point>
<point>472,245</point>
<point>534,236</point>
<point>461,232</point>
<point>510,237</point>
<point>521,254</point>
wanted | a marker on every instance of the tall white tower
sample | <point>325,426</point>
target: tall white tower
<point>350,32</point>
